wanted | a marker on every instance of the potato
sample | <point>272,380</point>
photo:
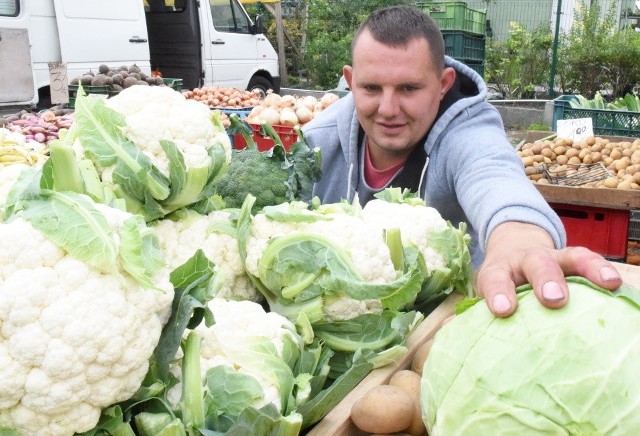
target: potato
<point>417,427</point>
<point>421,356</point>
<point>383,409</point>
<point>408,381</point>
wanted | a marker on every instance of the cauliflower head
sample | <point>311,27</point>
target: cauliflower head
<point>156,113</point>
<point>362,243</point>
<point>73,339</point>
<point>248,340</point>
<point>214,235</point>
<point>416,222</point>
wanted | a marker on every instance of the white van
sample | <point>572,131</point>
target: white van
<point>211,42</point>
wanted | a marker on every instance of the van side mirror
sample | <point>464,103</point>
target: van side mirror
<point>258,26</point>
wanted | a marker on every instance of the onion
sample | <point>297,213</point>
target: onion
<point>308,101</point>
<point>328,99</point>
<point>270,115</point>
<point>304,114</point>
<point>272,100</point>
<point>288,101</point>
<point>288,117</point>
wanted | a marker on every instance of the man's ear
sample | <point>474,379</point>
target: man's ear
<point>446,80</point>
<point>347,71</point>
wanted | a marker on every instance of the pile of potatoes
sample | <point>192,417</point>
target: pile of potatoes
<point>562,157</point>
<point>394,408</point>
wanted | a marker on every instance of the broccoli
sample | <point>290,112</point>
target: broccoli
<point>274,176</point>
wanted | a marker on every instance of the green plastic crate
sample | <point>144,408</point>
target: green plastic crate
<point>456,16</point>
<point>173,83</point>
<point>605,121</point>
<point>464,46</point>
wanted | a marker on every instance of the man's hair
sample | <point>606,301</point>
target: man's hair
<point>397,25</point>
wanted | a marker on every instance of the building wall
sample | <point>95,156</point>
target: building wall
<point>531,14</point>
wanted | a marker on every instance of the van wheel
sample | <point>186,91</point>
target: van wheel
<point>261,84</point>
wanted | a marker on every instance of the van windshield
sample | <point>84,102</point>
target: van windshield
<point>228,16</point>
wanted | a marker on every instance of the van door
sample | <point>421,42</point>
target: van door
<point>17,87</point>
<point>94,32</point>
<point>234,50</point>
<point>16,69</point>
<point>174,40</point>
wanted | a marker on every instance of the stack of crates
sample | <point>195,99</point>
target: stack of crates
<point>463,29</point>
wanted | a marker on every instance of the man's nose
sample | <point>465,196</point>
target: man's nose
<point>389,103</point>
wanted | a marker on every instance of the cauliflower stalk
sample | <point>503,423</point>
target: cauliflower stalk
<point>84,296</point>
<point>214,234</point>
<point>153,147</point>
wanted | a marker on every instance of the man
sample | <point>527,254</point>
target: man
<point>419,120</point>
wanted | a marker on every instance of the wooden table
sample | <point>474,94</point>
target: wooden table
<point>338,421</point>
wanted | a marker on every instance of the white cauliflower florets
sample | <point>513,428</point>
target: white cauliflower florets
<point>180,239</point>
<point>415,222</point>
<point>364,244</point>
<point>73,340</point>
<point>155,113</point>
<point>228,342</point>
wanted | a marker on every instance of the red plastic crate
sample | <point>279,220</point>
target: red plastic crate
<point>601,230</point>
<point>264,143</point>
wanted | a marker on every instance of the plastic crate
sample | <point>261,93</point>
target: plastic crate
<point>605,121</point>
<point>241,112</point>
<point>464,46</point>
<point>634,225</point>
<point>105,91</point>
<point>599,229</point>
<point>173,83</point>
<point>456,16</point>
<point>286,133</point>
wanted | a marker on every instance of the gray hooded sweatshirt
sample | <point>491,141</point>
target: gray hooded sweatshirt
<point>466,168</point>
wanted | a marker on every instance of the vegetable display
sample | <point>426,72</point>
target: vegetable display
<point>289,110</point>
<point>620,158</point>
<point>540,371</point>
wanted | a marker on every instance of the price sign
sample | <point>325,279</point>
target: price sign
<point>577,130</point>
<point>59,85</point>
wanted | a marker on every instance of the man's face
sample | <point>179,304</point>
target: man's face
<point>397,94</point>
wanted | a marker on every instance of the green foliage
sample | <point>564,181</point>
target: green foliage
<point>542,127</point>
<point>596,56</point>
<point>519,63</point>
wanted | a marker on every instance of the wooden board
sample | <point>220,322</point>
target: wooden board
<point>338,421</point>
<point>593,197</point>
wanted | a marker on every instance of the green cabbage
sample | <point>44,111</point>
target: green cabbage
<point>541,371</point>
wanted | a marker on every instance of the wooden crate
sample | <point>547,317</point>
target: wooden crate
<point>338,421</point>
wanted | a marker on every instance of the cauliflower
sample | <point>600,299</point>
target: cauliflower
<point>247,340</point>
<point>152,147</point>
<point>180,238</point>
<point>364,246</point>
<point>157,113</point>
<point>74,337</point>
<point>415,223</point>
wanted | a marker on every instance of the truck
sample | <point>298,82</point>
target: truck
<point>46,43</point>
